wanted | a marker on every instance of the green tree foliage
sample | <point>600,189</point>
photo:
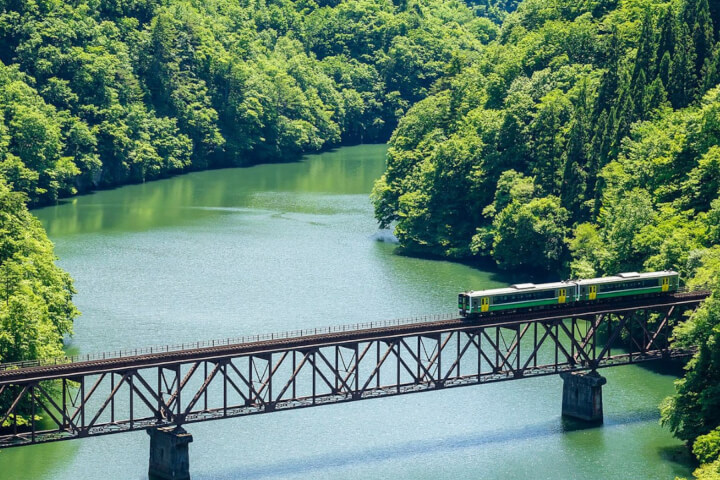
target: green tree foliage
<point>36,310</point>
<point>95,93</point>
<point>530,234</point>
<point>707,447</point>
<point>693,412</point>
<point>102,92</point>
<point>579,96</point>
<point>590,135</point>
<point>496,10</point>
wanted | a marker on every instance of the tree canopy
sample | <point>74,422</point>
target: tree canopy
<point>574,137</point>
<point>582,141</point>
<point>99,93</point>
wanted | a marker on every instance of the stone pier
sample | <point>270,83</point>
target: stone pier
<point>582,396</point>
<point>169,457</point>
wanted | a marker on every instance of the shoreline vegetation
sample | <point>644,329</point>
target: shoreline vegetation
<point>560,137</point>
<point>585,141</point>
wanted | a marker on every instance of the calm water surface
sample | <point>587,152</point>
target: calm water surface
<point>280,247</point>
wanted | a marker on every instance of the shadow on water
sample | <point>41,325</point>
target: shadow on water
<point>572,425</point>
<point>678,454</point>
<point>569,425</point>
<point>95,189</point>
<point>550,428</point>
<point>672,368</point>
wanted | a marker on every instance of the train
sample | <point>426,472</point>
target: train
<point>529,296</point>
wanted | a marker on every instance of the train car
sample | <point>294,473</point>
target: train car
<point>628,284</point>
<point>524,295</point>
<point>548,295</point>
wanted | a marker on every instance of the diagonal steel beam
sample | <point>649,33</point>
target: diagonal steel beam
<point>660,327</point>
<point>163,410</point>
<point>62,411</point>
<point>272,372</point>
<point>84,400</point>
<point>337,374</point>
<point>622,320</point>
<point>356,366</point>
<point>558,343</point>
<point>14,405</point>
<point>579,349</point>
<point>376,370</point>
<point>460,355</point>
<point>202,389</point>
<point>293,376</point>
<point>107,400</point>
<point>420,363</point>
<point>438,352</point>
<point>518,336</point>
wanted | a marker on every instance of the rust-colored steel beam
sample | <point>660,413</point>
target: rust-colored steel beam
<point>246,379</point>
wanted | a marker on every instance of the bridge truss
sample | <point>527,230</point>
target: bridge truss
<point>100,397</point>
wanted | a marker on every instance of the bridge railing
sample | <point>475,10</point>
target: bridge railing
<point>237,340</point>
<point>224,342</point>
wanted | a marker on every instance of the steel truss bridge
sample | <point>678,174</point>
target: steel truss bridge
<point>172,388</point>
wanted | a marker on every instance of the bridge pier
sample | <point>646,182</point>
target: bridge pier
<point>169,456</point>
<point>582,396</point>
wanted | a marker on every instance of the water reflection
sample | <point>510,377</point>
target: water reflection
<point>235,252</point>
<point>189,198</point>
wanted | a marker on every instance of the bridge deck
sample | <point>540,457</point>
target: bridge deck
<point>121,394</point>
<point>167,359</point>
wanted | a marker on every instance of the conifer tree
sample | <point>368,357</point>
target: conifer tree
<point>611,77</point>
<point>666,41</point>
<point>655,96</point>
<point>572,193</point>
<point>664,68</point>
<point>696,16</point>
<point>645,58</point>
<point>683,80</point>
<point>710,75</point>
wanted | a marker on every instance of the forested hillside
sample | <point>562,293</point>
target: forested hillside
<point>36,295</point>
<point>98,93</point>
<point>584,141</point>
<point>565,137</point>
<point>543,134</point>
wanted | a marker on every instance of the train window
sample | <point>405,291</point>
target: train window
<point>508,298</point>
<point>631,285</point>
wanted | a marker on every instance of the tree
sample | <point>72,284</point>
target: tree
<point>694,410</point>
<point>36,308</point>
<point>575,159</point>
<point>645,58</point>
<point>683,76</point>
<point>530,234</point>
<point>703,183</point>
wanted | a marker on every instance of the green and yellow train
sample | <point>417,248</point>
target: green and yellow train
<point>552,295</point>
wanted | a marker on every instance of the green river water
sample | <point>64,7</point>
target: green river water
<point>271,248</point>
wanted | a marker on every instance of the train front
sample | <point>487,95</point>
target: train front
<point>463,304</point>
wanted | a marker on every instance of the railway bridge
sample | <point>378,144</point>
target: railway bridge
<point>161,390</point>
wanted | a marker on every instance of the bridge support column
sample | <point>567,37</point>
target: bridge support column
<point>582,396</point>
<point>169,457</point>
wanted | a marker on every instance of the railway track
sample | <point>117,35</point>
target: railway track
<point>168,358</point>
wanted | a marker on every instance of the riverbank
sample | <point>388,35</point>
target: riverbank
<point>278,247</point>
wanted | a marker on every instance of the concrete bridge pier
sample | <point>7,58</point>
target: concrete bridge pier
<point>169,456</point>
<point>582,396</point>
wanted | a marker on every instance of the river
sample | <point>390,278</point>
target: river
<point>232,252</point>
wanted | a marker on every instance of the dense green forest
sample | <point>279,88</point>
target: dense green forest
<point>584,141</point>
<point>577,137</point>
<point>36,301</point>
<point>99,93</point>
